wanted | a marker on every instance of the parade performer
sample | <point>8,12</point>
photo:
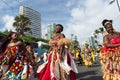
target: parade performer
<point>92,54</point>
<point>12,58</point>
<point>87,53</point>
<point>60,63</point>
<point>110,52</point>
<point>99,51</point>
<point>30,55</point>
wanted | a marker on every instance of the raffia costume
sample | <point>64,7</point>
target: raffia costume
<point>111,61</point>
<point>58,66</point>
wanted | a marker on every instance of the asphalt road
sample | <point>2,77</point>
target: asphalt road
<point>89,73</point>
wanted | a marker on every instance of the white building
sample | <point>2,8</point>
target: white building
<point>35,19</point>
<point>49,31</point>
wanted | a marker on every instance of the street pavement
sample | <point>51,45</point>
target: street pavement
<point>89,73</point>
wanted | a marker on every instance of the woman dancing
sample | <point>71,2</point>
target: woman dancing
<point>60,63</point>
<point>111,52</point>
<point>13,59</point>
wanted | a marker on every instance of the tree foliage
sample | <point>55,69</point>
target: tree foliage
<point>32,39</point>
<point>21,24</point>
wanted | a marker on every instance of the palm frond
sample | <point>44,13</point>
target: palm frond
<point>111,2</point>
<point>22,24</point>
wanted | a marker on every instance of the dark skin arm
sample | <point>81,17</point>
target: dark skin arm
<point>107,44</point>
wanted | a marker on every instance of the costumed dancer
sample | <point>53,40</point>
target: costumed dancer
<point>12,57</point>
<point>60,64</point>
<point>110,52</point>
<point>87,53</point>
<point>92,54</point>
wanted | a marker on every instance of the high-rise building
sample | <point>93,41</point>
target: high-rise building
<point>49,31</point>
<point>35,19</point>
<point>91,41</point>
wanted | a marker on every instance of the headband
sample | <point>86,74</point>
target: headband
<point>107,23</point>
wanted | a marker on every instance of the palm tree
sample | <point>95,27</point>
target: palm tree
<point>97,31</point>
<point>96,36</point>
<point>21,24</point>
<point>101,30</point>
<point>116,2</point>
<point>96,42</point>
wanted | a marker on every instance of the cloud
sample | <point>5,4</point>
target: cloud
<point>79,17</point>
<point>77,14</point>
<point>8,21</point>
<point>84,20</point>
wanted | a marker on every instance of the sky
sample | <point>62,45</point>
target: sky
<point>78,17</point>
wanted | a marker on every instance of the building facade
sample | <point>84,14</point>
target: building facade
<point>49,31</point>
<point>35,19</point>
<point>91,41</point>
